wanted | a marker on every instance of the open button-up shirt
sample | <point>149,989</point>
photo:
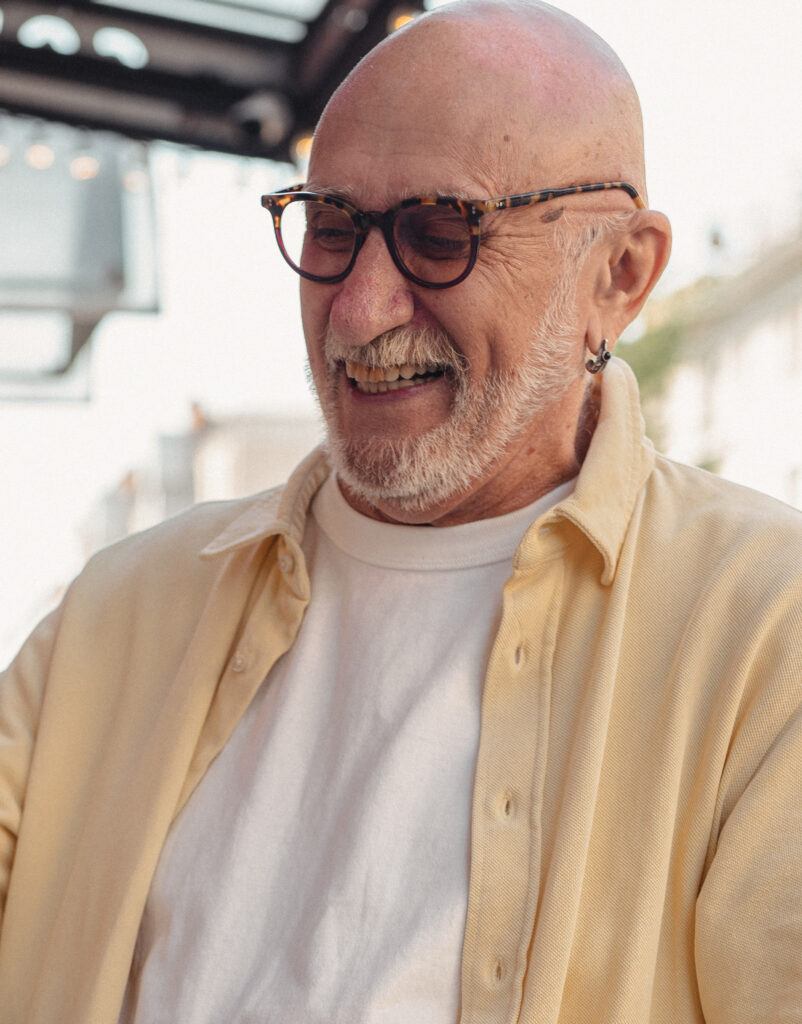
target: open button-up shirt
<point>636,850</point>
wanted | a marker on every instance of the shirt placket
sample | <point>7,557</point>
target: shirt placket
<point>269,631</point>
<point>507,801</point>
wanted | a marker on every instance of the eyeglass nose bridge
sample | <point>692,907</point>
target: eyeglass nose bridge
<point>384,220</point>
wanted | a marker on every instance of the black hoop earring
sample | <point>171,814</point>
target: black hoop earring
<point>602,359</point>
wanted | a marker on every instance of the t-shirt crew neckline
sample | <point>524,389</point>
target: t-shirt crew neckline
<point>426,548</point>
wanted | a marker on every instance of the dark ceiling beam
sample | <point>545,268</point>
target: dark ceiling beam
<point>198,88</point>
<point>202,87</point>
<point>188,112</point>
<point>197,91</point>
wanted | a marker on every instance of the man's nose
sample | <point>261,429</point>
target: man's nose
<point>374,298</point>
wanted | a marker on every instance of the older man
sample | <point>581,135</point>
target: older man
<point>491,714</point>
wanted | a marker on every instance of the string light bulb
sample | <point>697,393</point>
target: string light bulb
<point>84,167</point>
<point>39,156</point>
<point>399,17</point>
<point>302,146</point>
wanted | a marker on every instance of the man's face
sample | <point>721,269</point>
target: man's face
<point>437,402</point>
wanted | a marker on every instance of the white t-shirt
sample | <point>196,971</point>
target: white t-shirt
<point>319,872</point>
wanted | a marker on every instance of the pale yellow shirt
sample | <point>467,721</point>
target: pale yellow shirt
<point>636,845</point>
<point>353,771</point>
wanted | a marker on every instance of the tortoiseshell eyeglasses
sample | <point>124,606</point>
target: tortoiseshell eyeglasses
<point>433,240</point>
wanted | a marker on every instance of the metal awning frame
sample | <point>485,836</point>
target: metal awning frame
<point>204,87</point>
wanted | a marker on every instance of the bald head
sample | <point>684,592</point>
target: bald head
<point>527,94</point>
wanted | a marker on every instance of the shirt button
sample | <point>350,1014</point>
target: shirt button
<point>239,662</point>
<point>285,563</point>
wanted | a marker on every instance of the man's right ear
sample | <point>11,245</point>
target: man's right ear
<point>634,261</point>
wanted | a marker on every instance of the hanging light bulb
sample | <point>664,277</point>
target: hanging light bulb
<point>39,156</point>
<point>302,146</point>
<point>84,167</point>
<point>399,17</point>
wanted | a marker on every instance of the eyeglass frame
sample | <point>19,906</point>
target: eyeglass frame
<point>471,210</point>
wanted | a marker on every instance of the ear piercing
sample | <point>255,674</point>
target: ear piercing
<point>602,359</point>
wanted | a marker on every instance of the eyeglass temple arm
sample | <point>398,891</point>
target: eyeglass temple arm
<point>543,196</point>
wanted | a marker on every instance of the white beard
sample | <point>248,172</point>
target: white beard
<point>423,472</point>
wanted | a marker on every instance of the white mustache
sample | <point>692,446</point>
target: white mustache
<point>414,345</point>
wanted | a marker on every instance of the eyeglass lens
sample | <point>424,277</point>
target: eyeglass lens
<point>432,242</point>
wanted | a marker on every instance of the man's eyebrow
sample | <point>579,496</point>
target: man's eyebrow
<point>345,192</point>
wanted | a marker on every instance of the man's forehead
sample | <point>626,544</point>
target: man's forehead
<point>446,109</point>
<point>382,160</point>
<point>383,164</point>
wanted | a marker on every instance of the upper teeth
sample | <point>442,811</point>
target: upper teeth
<point>376,374</point>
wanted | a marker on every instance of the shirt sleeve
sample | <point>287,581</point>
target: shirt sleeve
<point>21,689</point>
<point>749,909</point>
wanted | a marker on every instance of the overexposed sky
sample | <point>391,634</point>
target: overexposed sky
<point>720,83</point>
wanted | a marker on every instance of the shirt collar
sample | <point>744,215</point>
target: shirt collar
<point>619,460</point>
<point>618,463</point>
<point>279,511</point>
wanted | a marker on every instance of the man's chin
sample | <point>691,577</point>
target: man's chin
<point>420,475</point>
<point>377,478</point>
<point>411,476</point>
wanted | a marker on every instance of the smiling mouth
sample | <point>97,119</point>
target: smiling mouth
<point>372,380</point>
